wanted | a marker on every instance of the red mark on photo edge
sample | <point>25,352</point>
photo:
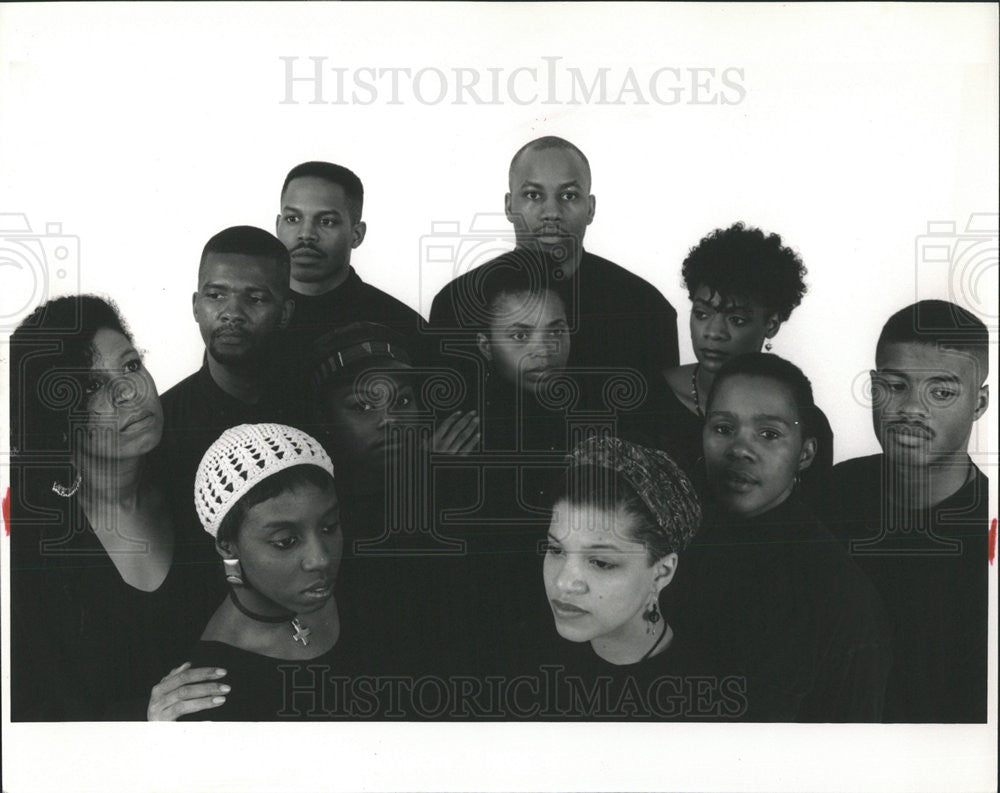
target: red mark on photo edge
<point>6,517</point>
<point>992,542</point>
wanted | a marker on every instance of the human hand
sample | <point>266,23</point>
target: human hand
<point>457,434</point>
<point>185,690</point>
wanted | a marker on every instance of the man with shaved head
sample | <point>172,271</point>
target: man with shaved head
<point>617,319</point>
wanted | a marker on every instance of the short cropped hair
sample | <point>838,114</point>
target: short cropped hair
<point>741,262</point>
<point>251,241</point>
<point>521,271</point>
<point>541,144</point>
<point>354,191</point>
<point>939,323</point>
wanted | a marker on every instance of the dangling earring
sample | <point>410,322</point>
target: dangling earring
<point>767,346</point>
<point>234,573</point>
<point>66,492</point>
<point>652,616</point>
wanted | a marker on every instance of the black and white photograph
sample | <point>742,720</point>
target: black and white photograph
<point>499,396</point>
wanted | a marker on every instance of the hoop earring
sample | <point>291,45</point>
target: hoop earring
<point>652,616</point>
<point>67,492</point>
<point>234,573</point>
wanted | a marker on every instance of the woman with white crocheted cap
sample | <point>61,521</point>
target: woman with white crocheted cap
<point>265,493</point>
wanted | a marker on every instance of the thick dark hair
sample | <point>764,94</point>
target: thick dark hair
<point>251,241</point>
<point>590,485</point>
<point>520,271</point>
<point>939,323</point>
<point>51,353</point>
<point>354,191</point>
<point>543,143</point>
<point>741,262</point>
<point>276,484</point>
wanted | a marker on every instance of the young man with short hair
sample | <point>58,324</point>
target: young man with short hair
<point>916,516</point>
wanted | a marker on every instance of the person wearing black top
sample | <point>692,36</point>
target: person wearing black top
<point>618,320</point>
<point>767,587</point>
<point>621,517</point>
<point>743,286</point>
<point>241,307</point>
<point>915,517</point>
<point>320,224</point>
<point>106,586</point>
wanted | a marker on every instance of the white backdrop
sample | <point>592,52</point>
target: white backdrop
<point>144,129</point>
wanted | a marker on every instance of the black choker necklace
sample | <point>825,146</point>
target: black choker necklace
<point>301,634</point>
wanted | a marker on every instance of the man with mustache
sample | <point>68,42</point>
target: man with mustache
<point>617,319</point>
<point>916,517</point>
<point>320,224</point>
<point>242,306</point>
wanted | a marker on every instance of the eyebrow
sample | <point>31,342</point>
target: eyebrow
<point>601,546</point>
<point>563,186</point>
<point>729,309</point>
<point>290,208</point>
<point>223,285</point>
<point>941,377</point>
<point>758,417</point>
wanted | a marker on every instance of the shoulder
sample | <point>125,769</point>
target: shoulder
<point>605,272</point>
<point>180,393</point>
<point>857,472</point>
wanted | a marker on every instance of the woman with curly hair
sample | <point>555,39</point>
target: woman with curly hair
<point>743,284</point>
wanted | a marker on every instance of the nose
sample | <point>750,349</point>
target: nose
<point>740,447</point>
<point>551,209</point>
<point>124,389</point>
<point>307,230</point>
<point>912,402</point>
<point>716,328</point>
<point>570,580</point>
<point>233,310</point>
<point>319,553</point>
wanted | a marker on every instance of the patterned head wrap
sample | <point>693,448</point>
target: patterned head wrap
<point>658,481</point>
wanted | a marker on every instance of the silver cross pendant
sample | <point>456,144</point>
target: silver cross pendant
<point>301,634</point>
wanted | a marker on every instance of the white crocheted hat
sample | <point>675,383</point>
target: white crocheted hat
<point>244,456</point>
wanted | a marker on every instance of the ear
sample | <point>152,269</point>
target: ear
<point>808,453</point>
<point>277,223</point>
<point>665,570</point>
<point>226,550</point>
<point>772,326</point>
<point>591,208</point>
<point>194,305</point>
<point>484,346</point>
<point>982,402</point>
<point>358,233</point>
<point>287,310</point>
<point>506,208</point>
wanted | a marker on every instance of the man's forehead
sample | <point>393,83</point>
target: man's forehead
<point>240,269</point>
<point>550,165</point>
<point>314,190</point>
<point>928,360</point>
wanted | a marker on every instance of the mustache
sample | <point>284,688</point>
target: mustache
<point>305,246</point>
<point>917,427</point>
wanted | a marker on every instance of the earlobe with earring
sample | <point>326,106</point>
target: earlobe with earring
<point>767,346</point>
<point>234,573</point>
<point>652,616</point>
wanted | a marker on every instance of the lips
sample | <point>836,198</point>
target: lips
<point>736,479</point>
<point>136,420</point>
<point>319,590</point>
<point>230,335</point>
<point>567,610</point>
<point>911,430</point>
<point>306,253</point>
<point>710,354</point>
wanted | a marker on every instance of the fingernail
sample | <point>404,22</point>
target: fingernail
<point>225,689</point>
<point>220,672</point>
<point>218,700</point>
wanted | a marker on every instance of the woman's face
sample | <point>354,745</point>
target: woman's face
<point>290,547</point>
<point>598,579</point>
<point>722,330</point>
<point>528,338</point>
<point>124,417</point>
<point>359,415</point>
<point>753,443</point>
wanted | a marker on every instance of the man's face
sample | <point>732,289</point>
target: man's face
<point>924,401</point>
<point>549,201</point>
<point>316,227</point>
<point>238,306</point>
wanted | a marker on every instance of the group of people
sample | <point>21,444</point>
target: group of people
<point>524,507</point>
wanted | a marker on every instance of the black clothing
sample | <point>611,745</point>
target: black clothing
<point>617,320</point>
<point>353,301</point>
<point>931,568</point>
<point>196,412</point>
<point>775,598</point>
<point>84,644</point>
<point>273,689</point>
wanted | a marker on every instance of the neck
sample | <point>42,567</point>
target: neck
<point>631,643</point>
<point>241,383</point>
<point>317,288</point>
<point>570,265</point>
<point>921,486</point>
<point>114,482</point>
<point>705,379</point>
